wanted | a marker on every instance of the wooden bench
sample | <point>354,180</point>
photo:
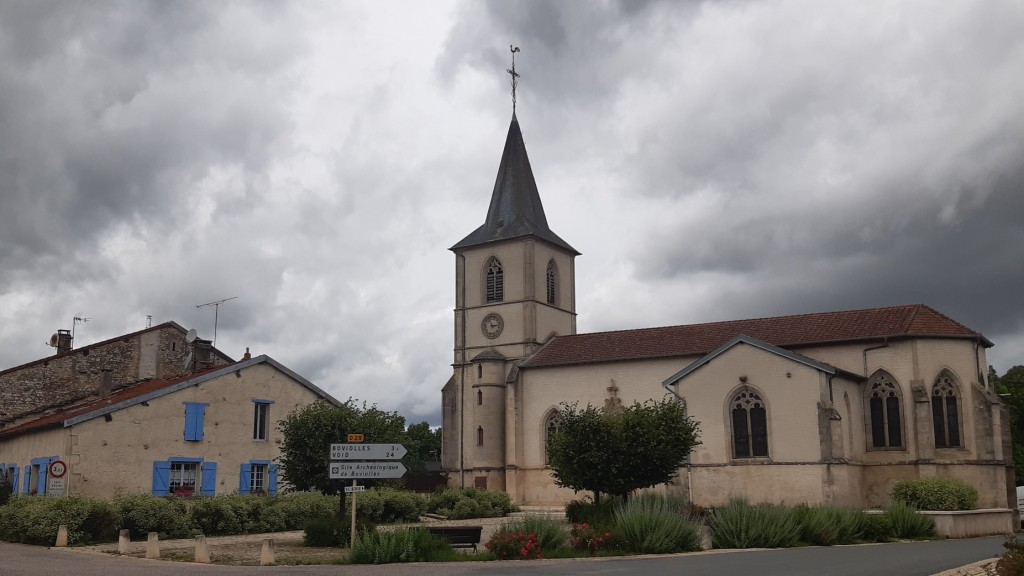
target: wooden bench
<point>458,536</point>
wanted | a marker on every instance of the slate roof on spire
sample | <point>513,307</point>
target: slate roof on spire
<point>515,209</point>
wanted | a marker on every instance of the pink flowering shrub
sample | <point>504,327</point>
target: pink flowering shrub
<point>515,546</point>
<point>586,538</point>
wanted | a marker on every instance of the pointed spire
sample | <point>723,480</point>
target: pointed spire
<point>515,209</point>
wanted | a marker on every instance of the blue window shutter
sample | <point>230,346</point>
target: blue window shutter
<point>209,479</point>
<point>245,478</point>
<point>194,421</point>
<point>272,483</point>
<point>161,478</point>
<point>44,472</point>
<point>27,483</point>
<point>14,478</point>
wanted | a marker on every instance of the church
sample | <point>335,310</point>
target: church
<point>828,407</point>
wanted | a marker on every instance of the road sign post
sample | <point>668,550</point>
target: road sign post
<point>356,460</point>
<point>56,484</point>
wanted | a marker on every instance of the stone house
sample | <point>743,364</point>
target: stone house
<point>829,407</point>
<point>148,412</point>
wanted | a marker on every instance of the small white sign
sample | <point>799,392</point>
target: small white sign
<point>351,489</point>
<point>367,451</point>
<point>365,470</point>
<point>55,486</point>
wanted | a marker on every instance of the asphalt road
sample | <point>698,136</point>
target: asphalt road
<point>907,559</point>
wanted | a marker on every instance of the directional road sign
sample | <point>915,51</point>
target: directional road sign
<point>365,470</point>
<point>351,489</point>
<point>367,451</point>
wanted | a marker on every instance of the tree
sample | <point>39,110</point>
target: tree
<point>621,451</point>
<point>1010,387</point>
<point>309,432</point>
<point>424,446</point>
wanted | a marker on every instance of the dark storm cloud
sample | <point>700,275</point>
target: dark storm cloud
<point>111,113</point>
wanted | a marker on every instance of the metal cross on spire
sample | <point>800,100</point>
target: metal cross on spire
<point>514,75</point>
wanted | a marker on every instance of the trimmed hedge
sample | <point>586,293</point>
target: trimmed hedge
<point>470,503</point>
<point>936,493</point>
<point>29,520</point>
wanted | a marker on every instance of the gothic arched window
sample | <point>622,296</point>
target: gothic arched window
<point>945,412</point>
<point>479,435</point>
<point>495,281</point>
<point>550,429</point>
<point>552,281</point>
<point>885,412</point>
<point>749,425</point>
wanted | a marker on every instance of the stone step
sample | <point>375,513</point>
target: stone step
<point>557,512</point>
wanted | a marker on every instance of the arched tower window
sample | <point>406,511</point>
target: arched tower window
<point>885,412</point>
<point>749,425</point>
<point>495,281</point>
<point>479,397</point>
<point>552,281</point>
<point>479,435</point>
<point>945,411</point>
<point>551,425</point>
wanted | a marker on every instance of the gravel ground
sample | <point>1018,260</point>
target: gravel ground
<point>244,549</point>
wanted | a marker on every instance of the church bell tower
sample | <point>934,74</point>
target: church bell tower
<point>514,289</point>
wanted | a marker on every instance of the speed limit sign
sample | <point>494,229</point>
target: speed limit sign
<point>58,469</point>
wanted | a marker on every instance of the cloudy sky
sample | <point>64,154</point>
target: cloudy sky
<point>711,160</point>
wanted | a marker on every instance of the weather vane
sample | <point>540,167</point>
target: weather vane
<point>512,72</point>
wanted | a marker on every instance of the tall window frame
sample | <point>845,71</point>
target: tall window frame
<point>946,411</point>
<point>551,276</point>
<point>748,419</point>
<point>261,420</point>
<point>551,425</point>
<point>883,407</point>
<point>494,285</point>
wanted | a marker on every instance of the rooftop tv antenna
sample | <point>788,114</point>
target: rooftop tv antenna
<point>216,313</point>
<point>78,319</point>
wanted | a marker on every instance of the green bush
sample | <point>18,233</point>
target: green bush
<point>31,520</point>
<point>401,545</point>
<point>470,503</point>
<point>215,516</point>
<point>936,493</point>
<point>585,511</point>
<point>388,505</point>
<point>145,513</point>
<point>1011,563</point>
<point>829,525</point>
<point>323,532</point>
<point>298,507</point>
<point>551,534</point>
<point>907,522</point>
<point>656,525</point>
<point>742,525</point>
<point>878,528</point>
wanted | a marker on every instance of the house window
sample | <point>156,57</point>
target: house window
<point>194,415</point>
<point>258,477</point>
<point>184,477</point>
<point>885,412</point>
<point>260,419</point>
<point>749,425</point>
<point>550,429</point>
<point>945,412</point>
<point>495,281</point>
<point>479,435</point>
<point>552,277</point>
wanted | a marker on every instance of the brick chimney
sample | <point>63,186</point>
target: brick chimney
<point>63,341</point>
<point>247,356</point>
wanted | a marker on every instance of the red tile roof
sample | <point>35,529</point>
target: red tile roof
<point>915,320</point>
<point>134,390</point>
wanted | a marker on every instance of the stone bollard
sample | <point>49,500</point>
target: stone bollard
<point>153,545</point>
<point>705,538</point>
<point>267,554</point>
<point>62,536</point>
<point>124,540</point>
<point>202,550</point>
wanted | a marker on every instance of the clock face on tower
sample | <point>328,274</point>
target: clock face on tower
<point>492,326</point>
